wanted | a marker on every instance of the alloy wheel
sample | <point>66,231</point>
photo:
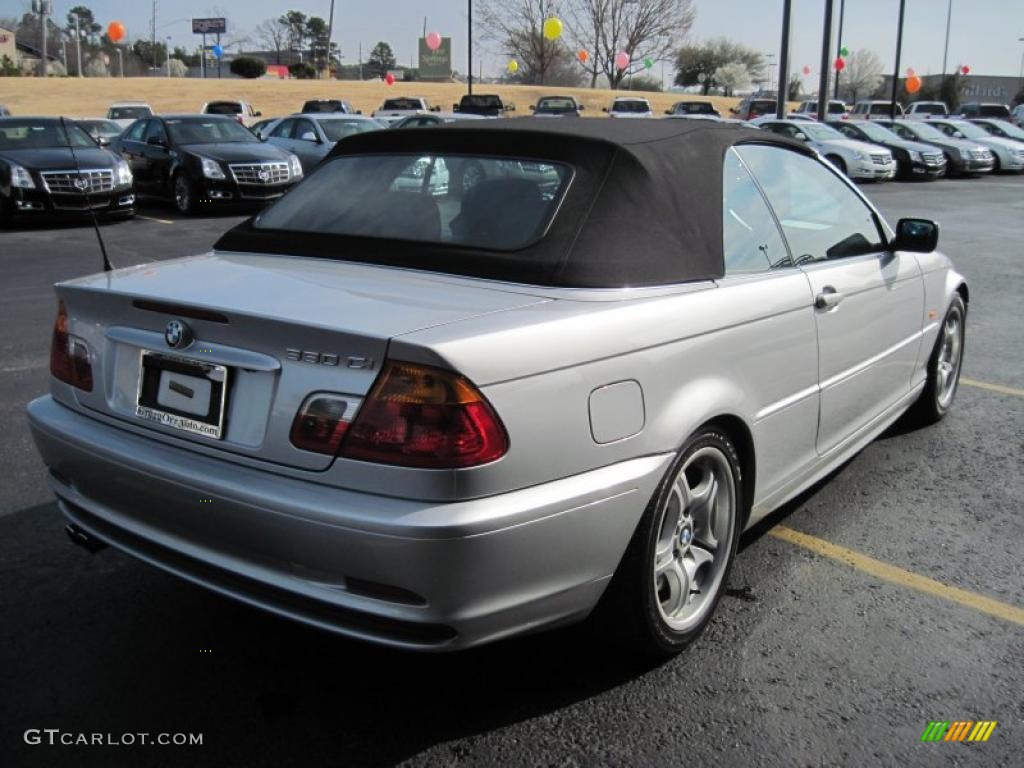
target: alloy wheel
<point>695,531</point>
<point>950,356</point>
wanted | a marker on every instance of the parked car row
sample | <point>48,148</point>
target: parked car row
<point>217,158</point>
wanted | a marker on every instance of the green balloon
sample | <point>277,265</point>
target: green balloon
<point>844,51</point>
<point>648,63</point>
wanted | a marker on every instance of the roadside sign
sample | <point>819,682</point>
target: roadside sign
<point>209,26</point>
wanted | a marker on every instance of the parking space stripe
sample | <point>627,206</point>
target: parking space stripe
<point>151,218</point>
<point>900,576</point>
<point>1003,390</point>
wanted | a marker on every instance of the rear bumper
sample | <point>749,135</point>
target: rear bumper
<point>412,574</point>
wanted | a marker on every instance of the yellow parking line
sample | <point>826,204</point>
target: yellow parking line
<point>150,218</point>
<point>899,576</point>
<point>1003,390</point>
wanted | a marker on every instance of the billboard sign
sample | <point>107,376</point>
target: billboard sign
<point>436,65</point>
<point>209,26</point>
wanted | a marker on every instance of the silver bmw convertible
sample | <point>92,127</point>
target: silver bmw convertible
<point>479,380</point>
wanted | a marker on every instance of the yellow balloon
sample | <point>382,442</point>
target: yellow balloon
<point>513,66</point>
<point>552,28</point>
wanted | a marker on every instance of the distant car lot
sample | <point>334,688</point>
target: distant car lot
<point>882,659</point>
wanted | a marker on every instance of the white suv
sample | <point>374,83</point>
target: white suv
<point>871,110</point>
<point>242,111</point>
<point>630,107</point>
<point>836,109</point>
<point>926,110</point>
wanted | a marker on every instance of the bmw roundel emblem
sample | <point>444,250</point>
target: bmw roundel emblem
<point>177,334</point>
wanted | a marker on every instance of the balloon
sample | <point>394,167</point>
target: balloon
<point>913,84</point>
<point>806,70</point>
<point>583,56</point>
<point>839,65</point>
<point>433,41</point>
<point>965,70</point>
<point>621,60</point>
<point>910,72</point>
<point>513,66</point>
<point>552,28</point>
<point>116,31</point>
<point>217,51</point>
<point>389,79</point>
<point>648,63</point>
<point>844,51</point>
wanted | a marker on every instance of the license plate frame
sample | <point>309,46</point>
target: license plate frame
<point>152,366</point>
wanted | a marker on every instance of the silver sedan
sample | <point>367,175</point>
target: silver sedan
<point>433,418</point>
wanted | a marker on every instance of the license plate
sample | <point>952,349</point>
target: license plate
<point>188,395</point>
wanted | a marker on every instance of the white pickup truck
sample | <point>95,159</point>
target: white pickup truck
<point>926,110</point>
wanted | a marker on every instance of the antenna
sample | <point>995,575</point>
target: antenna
<point>88,202</point>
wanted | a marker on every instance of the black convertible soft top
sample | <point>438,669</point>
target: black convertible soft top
<point>644,206</point>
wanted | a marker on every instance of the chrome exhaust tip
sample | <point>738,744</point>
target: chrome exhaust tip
<point>82,539</point>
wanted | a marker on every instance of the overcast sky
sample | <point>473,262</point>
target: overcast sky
<point>984,32</point>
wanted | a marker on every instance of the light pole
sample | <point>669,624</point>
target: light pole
<point>167,54</point>
<point>945,50</point>
<point>120,60</point>
<point>780,100</point>
<point>771,66</point>
<point>839,41</point>
<point>78,43</point>
<point>469,58</point>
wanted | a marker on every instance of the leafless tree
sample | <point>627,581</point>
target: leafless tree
<point>273,35</point>
<point>516,27</point>
<point>862,74</point>
<point>643,29</point>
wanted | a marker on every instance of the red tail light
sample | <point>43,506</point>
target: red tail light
<point>418,416</point>
<point>69,356</point>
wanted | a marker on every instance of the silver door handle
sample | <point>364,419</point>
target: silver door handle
<point>828,298</point>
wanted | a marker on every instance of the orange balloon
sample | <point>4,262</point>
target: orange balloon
<point>116,31</point>
<point>583,56</point>
<point>913,84</point>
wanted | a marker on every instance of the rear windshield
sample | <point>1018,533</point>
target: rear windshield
<point>402,104</point>
<point>488,203</point>
<point>556,104</point>
<point>694,108</point>
<point>482,102</point>
<point>631,106</point>
<point>930,109</point>
<point>224,108</point>
<point>885,109</point>
<point>128,113</point>
<point>761,107</point>
<point>993,110</point>
<point>322,106</point>
<point>836,109</point>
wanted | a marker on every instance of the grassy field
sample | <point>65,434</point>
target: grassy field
<point>85,97</point>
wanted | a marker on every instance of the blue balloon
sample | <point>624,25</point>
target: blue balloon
<point>218,51</point>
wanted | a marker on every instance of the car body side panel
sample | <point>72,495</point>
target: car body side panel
<point>539,365</point>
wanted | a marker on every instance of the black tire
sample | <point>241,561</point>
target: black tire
<point>632,609</point>
<point>837,162</point>
<point>996,165</point>
<point>183,193</point>
<point>950,167</point>
<point>937,397</point>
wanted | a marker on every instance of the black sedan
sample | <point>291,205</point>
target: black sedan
<point>51,166</point>
<point>914,159</point>
<point>200,161</point>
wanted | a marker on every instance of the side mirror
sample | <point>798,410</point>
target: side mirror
<point>533,107</point>
<point>916,236</point>
<point>734,110</point>
<point>580,108</point>
<point>257,113</point>
<point>103,141</point>
<point>156,141</point>
<point>359,111</point>
<point>435,109</point>
<point>310,136</point>
<point>668,111</point>
<point>800,136</point>
<point>604,109</point>
<point>958,135</point>
<point>510,108</point>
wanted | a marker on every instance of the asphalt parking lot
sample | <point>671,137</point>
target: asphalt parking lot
<point>886,597</point>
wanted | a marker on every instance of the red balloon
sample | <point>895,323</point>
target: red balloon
<point>965,70</point>
<point>839,64</point>
<point>116,31</point>
<point>389,79</point>
<point>910,72</point>
<point>806,70</point>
